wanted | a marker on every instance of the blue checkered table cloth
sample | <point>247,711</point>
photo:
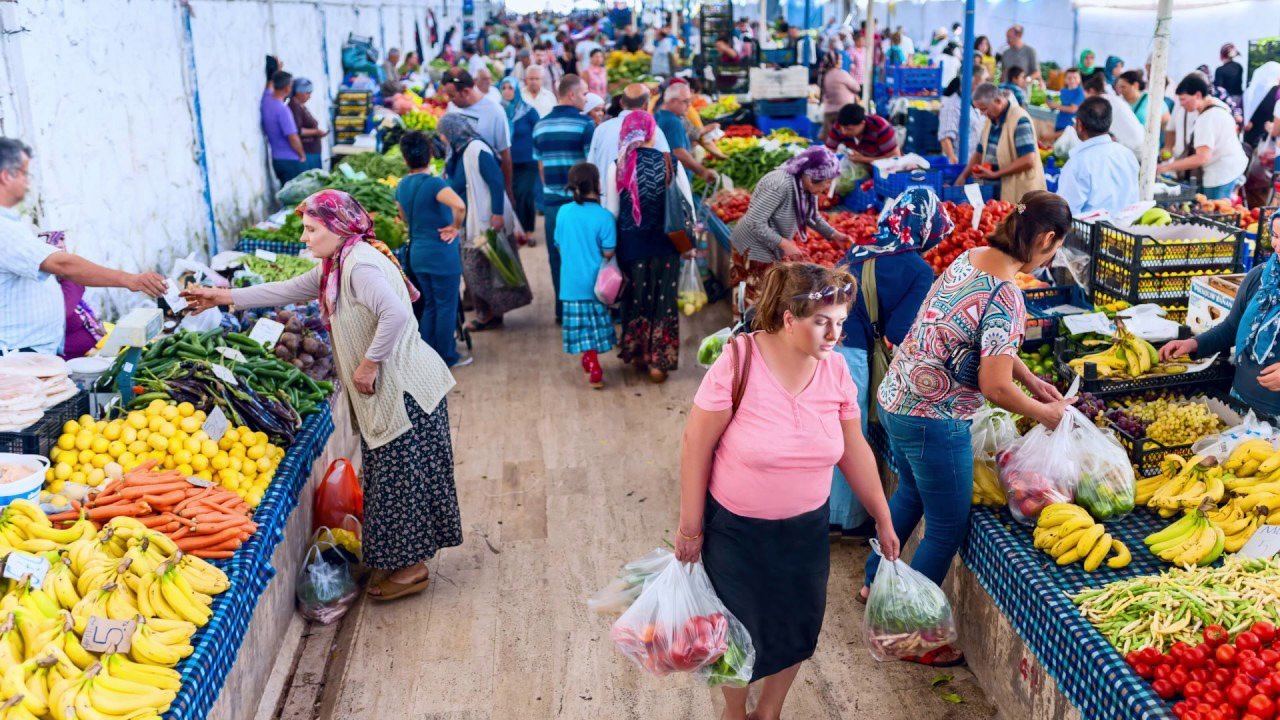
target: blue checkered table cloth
<point>1031,590</point>
<point>248,245</point>
<point>205,671</point>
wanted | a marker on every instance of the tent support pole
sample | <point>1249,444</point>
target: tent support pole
<point>1155,106</point>
<point>966,84</point>
<point>868,54</point>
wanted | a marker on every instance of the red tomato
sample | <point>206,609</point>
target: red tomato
<point>1242,655</point>
<point>1162,672</point>
<point>1265,686</point>
<point>1200,674</point>
<point>1225,655</point>
<point>1179,677</point>
<point>1248,641</point>
<point>1180,707</point>
<point>1163,688</point>
<point>1215,714</point>
<point>1222,676</point>
<point>1239,694</point>
<point>1144,670</point>
<point>1269,656</point>
<point>1193,690</point>
<point>1262,706</point>
<point>1265,631</point>
<point>1214,697</point>
<point>1178,650</point>
<point>1195,657</point>
<point>1214,635</point>
<point>1254,667</point>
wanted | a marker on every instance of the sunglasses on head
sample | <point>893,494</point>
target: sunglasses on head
<point>829,295</point>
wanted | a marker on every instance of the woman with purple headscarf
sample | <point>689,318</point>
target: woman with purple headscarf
<point>636,194</point>
<point>784,205</point>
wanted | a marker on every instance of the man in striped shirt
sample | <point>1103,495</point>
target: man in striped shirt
<point>33,316</point>
<point>561,140</point>
<point>868,137</point>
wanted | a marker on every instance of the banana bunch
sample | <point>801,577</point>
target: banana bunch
<point>1128,356</point>
<point>114,688</point>
<point>1257,478</point>
<point>1068,533</point>
<point>1236,523</point>
<point>987,489</point>
<point>1183,484</point>
<point>1192,540</point>
<point>25,527</point>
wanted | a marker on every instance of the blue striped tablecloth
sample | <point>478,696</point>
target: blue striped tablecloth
<point>216,644</point>
<point>1031,590</point>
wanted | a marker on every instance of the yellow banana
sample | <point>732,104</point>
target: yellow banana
<point>1069,557</point>
<point>1068,542</point>
<point>1122,556</point>
<point>1097,553</point>
<point>1270,464</point>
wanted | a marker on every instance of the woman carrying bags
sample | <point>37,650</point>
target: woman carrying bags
<point>586,236</point>
<point>772,415</point>
<point>472,170</point>
<point>396,385</point>
<point>961,352</point>
<point>893,281</point>
<point>637,195</point>
<point>784,204</point>
<point>521,117</point>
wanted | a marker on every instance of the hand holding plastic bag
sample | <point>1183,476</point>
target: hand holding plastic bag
<point>907,614</point>
<point>690,295</point>
<point>677,624</point>
<point>1042,468</point>
<point>1107,486</point>
<point>991,431</point>
<point>617,596</point>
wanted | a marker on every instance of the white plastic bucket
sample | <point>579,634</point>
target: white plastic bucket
<point>28,487</point>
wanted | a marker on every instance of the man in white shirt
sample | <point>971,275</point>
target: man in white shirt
<point>33,317</point>
<point>604,141</point>
<point>537,96</point>
<point>1101,174</point>
<point>475,61</point>
<point>1218,153</point>
<point>1125,127</point>
<point>484,83</point>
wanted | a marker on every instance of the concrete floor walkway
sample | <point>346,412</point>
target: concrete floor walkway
<point>559,485</point>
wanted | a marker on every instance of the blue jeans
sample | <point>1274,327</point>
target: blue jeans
<point>1220,192</point>
<point>287,169</point>
<point>313,161</point>
<point>846,510</point>
<point>553,251</point>
<point>439,313</point>
<point>936,482</point>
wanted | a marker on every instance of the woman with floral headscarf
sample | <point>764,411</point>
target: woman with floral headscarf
<point>521,117</point>
<point>893,281</point>
<point>636,189</point>
<point>1251,328</point>
<point>395,384</point>
<point>784,204</point>
<point>471,169</point>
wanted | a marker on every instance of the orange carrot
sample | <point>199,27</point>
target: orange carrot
<point>180,533</point>
<point>168,499</point>
<point>195,542</point>
<point>213,554</point>
<point>137,491</point>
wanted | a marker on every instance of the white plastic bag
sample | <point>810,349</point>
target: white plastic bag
<point>1042,468</point>
<point>907,614</point>
<point>711,346</point>
<point>617,596</point>
<point>677,624</point>
<point>1107,486</point>
<point>691,296</point>
<point>1219,446</point>
<point>991,431</point>
<point>326,589</point>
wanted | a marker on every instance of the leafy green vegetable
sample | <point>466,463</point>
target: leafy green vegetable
<point>290,232</point>
<point>377,166</point>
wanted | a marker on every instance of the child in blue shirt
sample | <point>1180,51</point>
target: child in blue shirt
<point>1068,100</point>
<point>586,236</point>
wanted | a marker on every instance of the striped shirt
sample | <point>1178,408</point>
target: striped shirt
<point>33,315</point>
<point>877,138</point>
<point>561,140</point>
<point>1024,139</point>
<point>771,218</point>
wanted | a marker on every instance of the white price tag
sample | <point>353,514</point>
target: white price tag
<point>224,375</point>
<point>232,354</point>
<point>265,255</point>
<point>102,634</point>
<point>1265,543</point>
<point>19,564</point>
<point>266,332</point>
<point>974,195</point>
<point>201,482</point>
<point>175,301</point>
<point>215,426</point>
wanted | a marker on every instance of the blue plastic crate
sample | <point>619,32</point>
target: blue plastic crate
<point>921,143</point>
<point>782,108</point>
<point>918,81</point>
<point>779,56</point>
<point>892,185</point>
<point>862,200</point>
<point>951,193</point>
<point>799,123</point>
<point>921,121</point>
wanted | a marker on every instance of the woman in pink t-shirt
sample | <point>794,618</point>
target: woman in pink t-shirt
<point>755,478</point>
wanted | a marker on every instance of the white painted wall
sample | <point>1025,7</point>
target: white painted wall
<point>101,90</point>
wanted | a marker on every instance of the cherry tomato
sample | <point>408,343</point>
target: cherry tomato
<point>1192,715</point>
<point>1193,690</point>
<point>1180,708</point>
<point>1162,672</point>
<point>1200,674</point>
<point>1163,688</point>
<point>1249,716</point>
<point>1248,641</point>
<point>1195,657</point>
<point>1179,677</point>
<point>1144,670</point>
<point>1265,686</point>
<point>1265,631</point>
<point>1239,694</point>
<point>1254,667</point>
<point>1214,696</point>
<point>1225,655</point>
<point>1178,650</point>
<point>1262,706</point>
<point>1270,657</point>
<point>1222,676</point>
<point>1275,680</point>
<point>1215,714</point>
<point>1150,655</point>
<point>1214,635</point>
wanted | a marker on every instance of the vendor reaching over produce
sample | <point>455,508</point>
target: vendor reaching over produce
<point>868,137</point>
<point>893,281</point>
<point>33,316</point>
<point>930,391</point>
<point>1008,149</point>
<point>1251,328</point>
<point>1218,155</point>
<point>670,120</point>
<point>1101,174</point>
<point>784,205</point>
<point>395,384</point>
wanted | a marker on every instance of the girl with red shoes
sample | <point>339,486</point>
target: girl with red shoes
<point>586,237</point>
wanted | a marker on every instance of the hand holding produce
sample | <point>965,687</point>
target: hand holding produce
<point>907,614</point>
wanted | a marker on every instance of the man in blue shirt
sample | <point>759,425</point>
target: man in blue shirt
<point>670,121</point>
<point>1101,174</point>
<point>561,140</point>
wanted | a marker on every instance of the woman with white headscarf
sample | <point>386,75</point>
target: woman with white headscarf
<point>1260,101</point>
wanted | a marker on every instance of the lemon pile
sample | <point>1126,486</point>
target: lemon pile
<point>91,452</point>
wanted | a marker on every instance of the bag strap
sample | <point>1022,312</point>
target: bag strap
<point>413,202</point>
<point>871,298</point>
<point>740,380</point>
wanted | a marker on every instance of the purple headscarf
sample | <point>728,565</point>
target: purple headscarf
<point>818,164</point>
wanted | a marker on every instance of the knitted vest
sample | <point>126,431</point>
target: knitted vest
<point>413,367</point>
<point>1013,187</point>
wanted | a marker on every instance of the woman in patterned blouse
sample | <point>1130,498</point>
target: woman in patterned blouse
<point>925,409</point>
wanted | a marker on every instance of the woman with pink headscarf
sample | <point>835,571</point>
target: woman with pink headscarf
<point>636,194</point>
<point>395,384</point>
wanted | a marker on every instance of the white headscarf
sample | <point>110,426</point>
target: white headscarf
<point>1264,79</point>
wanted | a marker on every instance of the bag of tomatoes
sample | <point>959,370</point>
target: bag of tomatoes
<point>678,624</point>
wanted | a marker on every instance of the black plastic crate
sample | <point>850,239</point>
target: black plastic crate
<point>1146,252</point>
<point>1042,325</point>
<point>1157,286</point>
<point>1216,376</point>
<point>40,438</point>
<point>1146,453</point>
<point>1186,193</point>
<point>1262,246</point>
<point>1081,237</point>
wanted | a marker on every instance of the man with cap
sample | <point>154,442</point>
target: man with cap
<point>487,117</point>
<point>309,129</point>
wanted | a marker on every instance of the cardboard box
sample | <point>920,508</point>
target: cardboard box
<point>1209,300</point>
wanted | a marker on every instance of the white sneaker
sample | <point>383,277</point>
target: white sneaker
<point>463,361</point>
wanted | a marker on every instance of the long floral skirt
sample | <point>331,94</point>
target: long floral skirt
<point>650,323</point>
<point>410,503</point>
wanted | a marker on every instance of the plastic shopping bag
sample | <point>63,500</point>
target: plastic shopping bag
<point>609,282</point>
<point>337,496</point>
<point>1042,468</point>
<point>690,295</point>
<point>712,345</point>
<point>991,431</point>
<point>1107,485</point>
<point>677,624</point>
<point>617,596</point>
<point>326,588</point>
<point>907,614</point>
<point>1222,446</point>
<point>496,248</point>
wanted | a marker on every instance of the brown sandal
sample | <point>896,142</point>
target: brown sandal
<point>389,590</point>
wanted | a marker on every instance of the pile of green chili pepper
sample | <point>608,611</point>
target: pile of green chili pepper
<point>1176,605</point>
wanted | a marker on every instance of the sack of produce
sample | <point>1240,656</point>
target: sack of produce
<point>337,496</point>
<point>303,186</point>
<point>1107,484</point>
<point>907,614</point>
<point>691,296</point>
<point>712,345</point>
<point>326,588</point>
<point>1043,467</point>
<point>507,271</point>
<point>991,431</point>
<point>678,624</point>
<point>617,596</point>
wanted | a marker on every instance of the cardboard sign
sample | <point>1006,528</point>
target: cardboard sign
<point>20,564</point>
<point>974,195</point>
<point>1265,543</point>
<point>225,376</point>
<point>200,482</point>
<point>265,255</point>
<point>102,634</point>
<point>232,354</point>
<point>266,332</point>
<point>215,426</point>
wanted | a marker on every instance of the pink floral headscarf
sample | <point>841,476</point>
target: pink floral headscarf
<point>346,218</point>
<point>637,129</point>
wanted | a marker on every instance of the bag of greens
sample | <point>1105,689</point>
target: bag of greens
<point>907,614</point>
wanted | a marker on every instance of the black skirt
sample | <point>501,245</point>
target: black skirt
<point>772,575</point>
